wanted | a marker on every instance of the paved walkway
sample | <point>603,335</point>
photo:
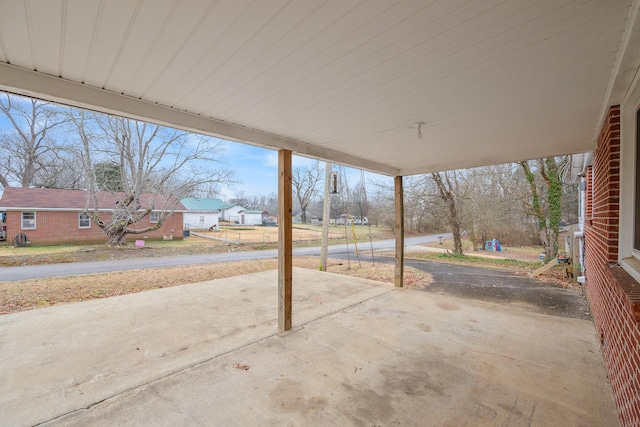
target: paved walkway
<point>361,353</point>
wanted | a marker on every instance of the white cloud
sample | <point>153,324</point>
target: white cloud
<point>226,193</point>
<point>270,160</point>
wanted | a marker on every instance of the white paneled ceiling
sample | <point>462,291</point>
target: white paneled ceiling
<point>354,81</point>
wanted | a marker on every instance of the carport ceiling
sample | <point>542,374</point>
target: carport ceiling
<point>397,87</point>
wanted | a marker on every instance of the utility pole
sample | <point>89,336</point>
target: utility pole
<point>326,216</point>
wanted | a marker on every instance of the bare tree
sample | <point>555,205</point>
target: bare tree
<point>361,204</point>
<point>208,190</point>
<point>248,202</point>
<point>449,189</point>
<point>156,167</point>
<point>546,200</point>
<point>305,186</point>
<point>33,155</point>
<point>486,201</point>
<point>493,204</point>
<point>269,203</point>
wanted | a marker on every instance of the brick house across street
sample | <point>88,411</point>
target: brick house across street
<point>54,216</point>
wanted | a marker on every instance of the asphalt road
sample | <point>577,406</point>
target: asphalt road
<point>9,274</point>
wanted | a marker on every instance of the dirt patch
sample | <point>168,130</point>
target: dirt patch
<point>30,294</point>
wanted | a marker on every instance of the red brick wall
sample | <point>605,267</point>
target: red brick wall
<point>606,188</point>
<point>56,227</point>
<point>588,203</point>
<point>609,288</point>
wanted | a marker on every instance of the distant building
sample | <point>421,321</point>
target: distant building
<point>230,212</point>
<point>252,216</point>
<point>350,219</point>
<point>201,213</point>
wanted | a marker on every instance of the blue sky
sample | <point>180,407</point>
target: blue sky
<point>257,170</point>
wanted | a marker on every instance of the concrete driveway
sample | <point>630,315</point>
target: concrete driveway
<point>361,353</point>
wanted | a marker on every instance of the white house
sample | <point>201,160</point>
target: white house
<point>201,213</point>
<point>230,212</point>
<point>251,217</point>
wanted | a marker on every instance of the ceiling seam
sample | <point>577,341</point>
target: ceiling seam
<point>123,42</point>
<point>63,28</point>
<point>298,48</point>
<point>281,78</point>
<point>30,35</point>
<point>222,63</point>
<point>212,47</point>
<point>271,113</point>
<point>179,49</point>
<point>94,36</point>
<point>411,71</point>
<point>393,93</point>
<point>327,48</point>
<point>152,46</point>
<point>289,32</point>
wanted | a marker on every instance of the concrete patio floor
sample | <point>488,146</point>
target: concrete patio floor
<point>361,353</point>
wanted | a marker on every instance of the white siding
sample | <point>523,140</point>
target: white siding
<point>194,220</point>
<point>232,214</point>
<point>251,218</point>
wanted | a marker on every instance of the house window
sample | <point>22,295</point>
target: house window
<point>28,220</point>
<point>636,238</point>
<point>83,220</point>
<point>154,216</point>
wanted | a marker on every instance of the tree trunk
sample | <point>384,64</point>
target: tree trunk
<point>116,237</point>
<point>548,219</point>
<point>455,228</point>
<point>474,238</point>
<point>448,195</point>
<point>544,239</point>
<point>554,189</point>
